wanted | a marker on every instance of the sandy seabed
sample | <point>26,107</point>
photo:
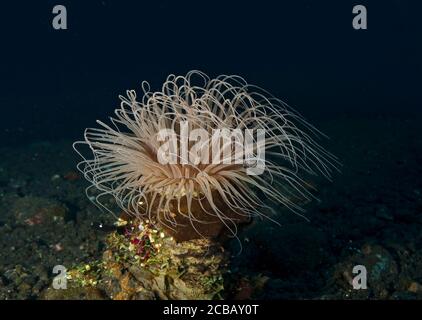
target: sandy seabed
<point>370,214</point>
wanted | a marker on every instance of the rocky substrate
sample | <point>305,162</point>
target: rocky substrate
<point>147,265</point>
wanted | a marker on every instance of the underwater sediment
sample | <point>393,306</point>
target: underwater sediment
<point>46,219</point>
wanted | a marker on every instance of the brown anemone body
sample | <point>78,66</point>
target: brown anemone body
<point>202,222</point>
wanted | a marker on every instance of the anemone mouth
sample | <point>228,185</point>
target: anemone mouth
<point>186,196</point>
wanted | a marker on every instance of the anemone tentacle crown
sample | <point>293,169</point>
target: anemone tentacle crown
<point>190,197</point>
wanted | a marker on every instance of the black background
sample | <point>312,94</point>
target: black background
<point>54,83</point>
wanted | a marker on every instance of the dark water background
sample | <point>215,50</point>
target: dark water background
<point>55,83</point>
<point>362,87</point>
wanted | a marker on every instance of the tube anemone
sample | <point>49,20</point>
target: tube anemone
<point>189,198</point>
